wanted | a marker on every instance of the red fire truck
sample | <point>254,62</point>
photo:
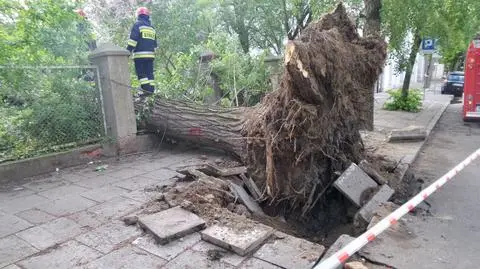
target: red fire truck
<point>471,90</point>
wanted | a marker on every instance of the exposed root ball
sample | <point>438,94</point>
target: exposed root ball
<point>308,129</point>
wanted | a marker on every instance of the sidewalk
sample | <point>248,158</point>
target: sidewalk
<point>73,219</point>
<point>386,121</point>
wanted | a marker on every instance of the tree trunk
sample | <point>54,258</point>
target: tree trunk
<point>300,136</point>
<point>373,18</point>
<point>417,41</point>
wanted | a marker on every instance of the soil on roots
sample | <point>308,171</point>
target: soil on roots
<point>306,132</point>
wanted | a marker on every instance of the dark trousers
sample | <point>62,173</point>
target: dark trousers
<point>144,70</point>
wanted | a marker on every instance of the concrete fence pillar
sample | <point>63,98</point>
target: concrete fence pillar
<point>274,65</point>
<point>112,62</point>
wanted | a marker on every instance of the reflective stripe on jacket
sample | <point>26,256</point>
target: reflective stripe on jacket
<point>143,39</point>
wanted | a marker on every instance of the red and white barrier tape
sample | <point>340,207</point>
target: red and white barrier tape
<point>346,252</point>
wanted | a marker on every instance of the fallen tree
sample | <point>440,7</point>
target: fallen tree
<point>303,134</point>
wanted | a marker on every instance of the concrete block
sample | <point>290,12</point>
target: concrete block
<point>69,255</point>
<point>290,252</point>
<point>409,134</point>
<point>223,255</point>
<point>66,206</point>
<point>353,183</point>
<point>116,207</point>
<point>127,257</point>
<point>171,224</point>
<point>10,224</point>
<point>14,249</point>
<point>341,242</point>
<point>108,237</point>
<point>169,251</point>
<point>238,238</point>
<point>365,214</point>
<point>19,170</point>
<point>258,264</point>
<point>35,216</point>
<point>370,171</point>
<point>195,260</point>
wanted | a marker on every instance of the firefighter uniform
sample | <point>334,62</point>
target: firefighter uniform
<point>142,45</point>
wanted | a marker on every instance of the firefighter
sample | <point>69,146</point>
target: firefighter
<point>142,45</point>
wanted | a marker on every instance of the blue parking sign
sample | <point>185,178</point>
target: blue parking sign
<point>428,45</point>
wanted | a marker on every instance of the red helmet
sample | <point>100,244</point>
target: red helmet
<point>143,11</point>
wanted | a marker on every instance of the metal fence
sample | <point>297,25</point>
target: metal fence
<point>49,109</point>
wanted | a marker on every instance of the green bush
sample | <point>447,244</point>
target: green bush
<point>412,103</point>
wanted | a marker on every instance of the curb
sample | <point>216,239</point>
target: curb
<point>404,167</point>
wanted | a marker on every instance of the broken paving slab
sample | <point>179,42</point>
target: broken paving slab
<point>290,252</point>
<point>409,134</point>
<point>247,200</point>
<point>171,224</point>
<point>353,183</point>
<point>241,238</point>
<point>366,213</point>
<point>341,242</point>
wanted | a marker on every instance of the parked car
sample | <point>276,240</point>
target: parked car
<point>453,84</point>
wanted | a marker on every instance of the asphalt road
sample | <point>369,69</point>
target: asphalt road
<point>449,237</point>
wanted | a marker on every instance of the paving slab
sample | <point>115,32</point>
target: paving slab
<point>290,252</point>
<point>161,174</point>
<point>109,236</point>
<point>171,224</point>
<point>247,200</point>
<point>12,266</point>
<point>254,263</point>
<point>127,258</point>
<point>365,214</point>
<point>104,193</point>
<point>141,195</point>
<point>97,181</point>
<point>39,237</point>
<point>169,251</point>
<point>342,241</point>
<point>35,216</point>
<point>16,192</point>
<point>62,191</point>
<point>66,205</point>
<point>88,219</point>
<point>116,207</point>
<point>140,182</point>
<point>51,233</point>
<point>409,134</point>
<point>10,224</point>
<point>45,184</point>
<point>13,249</point>
<point>66,256</point>
<point>22,203</point>
<point>224,255</point>
<point>241,239</point>
<point>125,173</point>
<point>195,260</point>
<point>353,182</point>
